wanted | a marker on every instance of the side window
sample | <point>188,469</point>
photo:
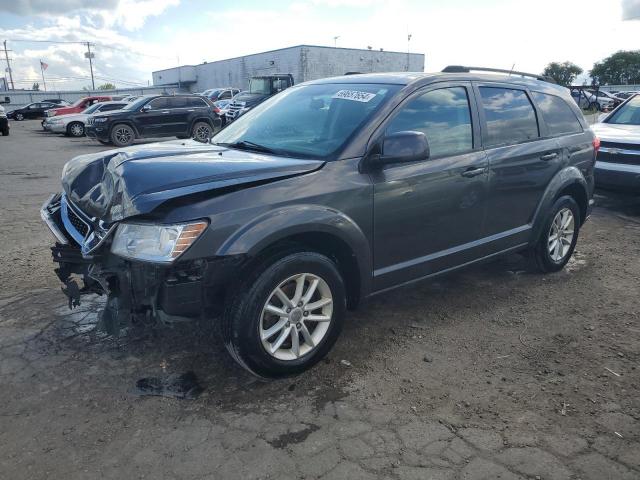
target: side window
<point>196,102</point>
<point>558,116</point>
<point>510,116</point>
<point>159,103</point>
<point>225,95</point>
<point>178,102</point>
<point>443,116</point>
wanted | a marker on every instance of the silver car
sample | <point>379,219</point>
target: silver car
<point>618,161</point>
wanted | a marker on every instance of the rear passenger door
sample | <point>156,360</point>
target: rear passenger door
<point>522,161</point>
<point>176,121</point>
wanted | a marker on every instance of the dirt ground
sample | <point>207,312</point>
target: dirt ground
<point>491,373</point>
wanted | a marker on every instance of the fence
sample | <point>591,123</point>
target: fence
<point>620,88</point>
<point>20,98</point>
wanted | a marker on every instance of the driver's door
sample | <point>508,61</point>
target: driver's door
<point>428,215</point>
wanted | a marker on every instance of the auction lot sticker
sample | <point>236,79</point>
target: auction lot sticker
<point>354,95</point>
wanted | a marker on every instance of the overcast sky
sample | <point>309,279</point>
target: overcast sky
<point>135,37</point>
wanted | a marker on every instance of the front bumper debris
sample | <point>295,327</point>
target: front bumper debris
<point>137,291</point>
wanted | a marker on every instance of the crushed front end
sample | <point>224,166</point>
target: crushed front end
<point>137,291</point>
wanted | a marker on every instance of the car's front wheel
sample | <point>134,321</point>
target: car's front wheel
<point>559,236</point>
<point>122,135</point>
<point>75,129</point>
<point>19,117</point>
<point>286,318</point>
<point>202,132</point>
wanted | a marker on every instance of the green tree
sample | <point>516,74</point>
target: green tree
<point>621,68</point>
<point>563,73</point>
<point>107,86</point>
<point>36,87</point>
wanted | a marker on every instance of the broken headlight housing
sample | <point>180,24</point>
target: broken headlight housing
<point>155,243</point>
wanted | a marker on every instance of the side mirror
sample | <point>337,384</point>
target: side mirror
<point>402,147</point>
<point>145,108</point>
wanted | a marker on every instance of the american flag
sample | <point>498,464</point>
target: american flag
<point>43,65</point>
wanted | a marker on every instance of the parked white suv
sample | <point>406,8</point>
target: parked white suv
<point>73,124</point>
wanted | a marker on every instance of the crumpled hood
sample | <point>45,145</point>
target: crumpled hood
<point>117,184</point>
<point>611,132</point>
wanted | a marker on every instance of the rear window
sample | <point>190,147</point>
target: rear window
<point>558,116</point>
<point>196,102</point>
<point>509,115</point>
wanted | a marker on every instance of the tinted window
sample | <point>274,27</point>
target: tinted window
<point>159,103</point>
<point>557,114</point>
<point>196,102</point>
<point>178,102</point>
<point>106,108</point>
<point>509,114</point>
<point>443,116</point>
<point>224,95</point>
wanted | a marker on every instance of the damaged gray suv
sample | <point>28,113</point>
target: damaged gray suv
<point>328,193</point>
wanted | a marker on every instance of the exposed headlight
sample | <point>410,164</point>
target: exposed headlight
<point>155,243</point>
<point>100,120</point>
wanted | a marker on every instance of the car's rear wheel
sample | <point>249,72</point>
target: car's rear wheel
<point>286,318</point>
<point>201,132</point>
<point>75,129</point>
<point>122,135</point>
<point>19,117</point>
<point>559,236</point>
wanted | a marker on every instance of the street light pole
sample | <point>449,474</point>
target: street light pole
<point>6,55</point>
<point>90,55</point>
<point>408,49</point>
<point>335,41</point>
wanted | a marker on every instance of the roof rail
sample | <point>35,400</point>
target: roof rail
<point>463,69</point>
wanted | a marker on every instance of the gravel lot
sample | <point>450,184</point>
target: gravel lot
<point>490,373</point>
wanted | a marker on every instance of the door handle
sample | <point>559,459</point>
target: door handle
<point>473,172</point>
<point>548,156</point>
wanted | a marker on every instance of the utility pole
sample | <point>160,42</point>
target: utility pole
<point>6,55</point>
<point>90,56</point>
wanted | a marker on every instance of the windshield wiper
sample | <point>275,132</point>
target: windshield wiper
<point>247,145</point>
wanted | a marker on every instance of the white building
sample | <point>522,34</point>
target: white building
<point>305,62</point>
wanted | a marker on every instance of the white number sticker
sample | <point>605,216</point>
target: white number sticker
<point>354,95</point>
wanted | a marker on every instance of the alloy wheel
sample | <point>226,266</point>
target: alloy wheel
<point>561,234</point>
<point>296,316</point>
<point>19,116</point>
<point>123,135</point>
<point>77,130</point>
<point>202,133</point>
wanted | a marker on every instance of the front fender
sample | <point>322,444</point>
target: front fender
<point>289,221</point>
<point>564,178</point>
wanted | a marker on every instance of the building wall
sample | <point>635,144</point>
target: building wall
<point>303,62</point>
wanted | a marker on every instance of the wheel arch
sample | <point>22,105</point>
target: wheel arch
<point>125,122</point>
<point>569,181</point>
<point>312,228</point>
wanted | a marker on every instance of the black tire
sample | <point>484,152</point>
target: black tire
<point>541,254</point>
<point>75,129</point>
<point>201,132</point>
<point>5,133</point>
<point>240,323</point>
<point>122,135</point>
<point>19,117</point>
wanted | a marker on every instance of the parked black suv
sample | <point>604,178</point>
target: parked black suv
<point>152,116</point>
<point>33,110</point>
<point>332,191</point>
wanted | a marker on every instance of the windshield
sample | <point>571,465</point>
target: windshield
<point>260,85</point>
<point>92,108</point>
<point>311,121</point>
<point>627,114</point>
<point>137,104</point>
